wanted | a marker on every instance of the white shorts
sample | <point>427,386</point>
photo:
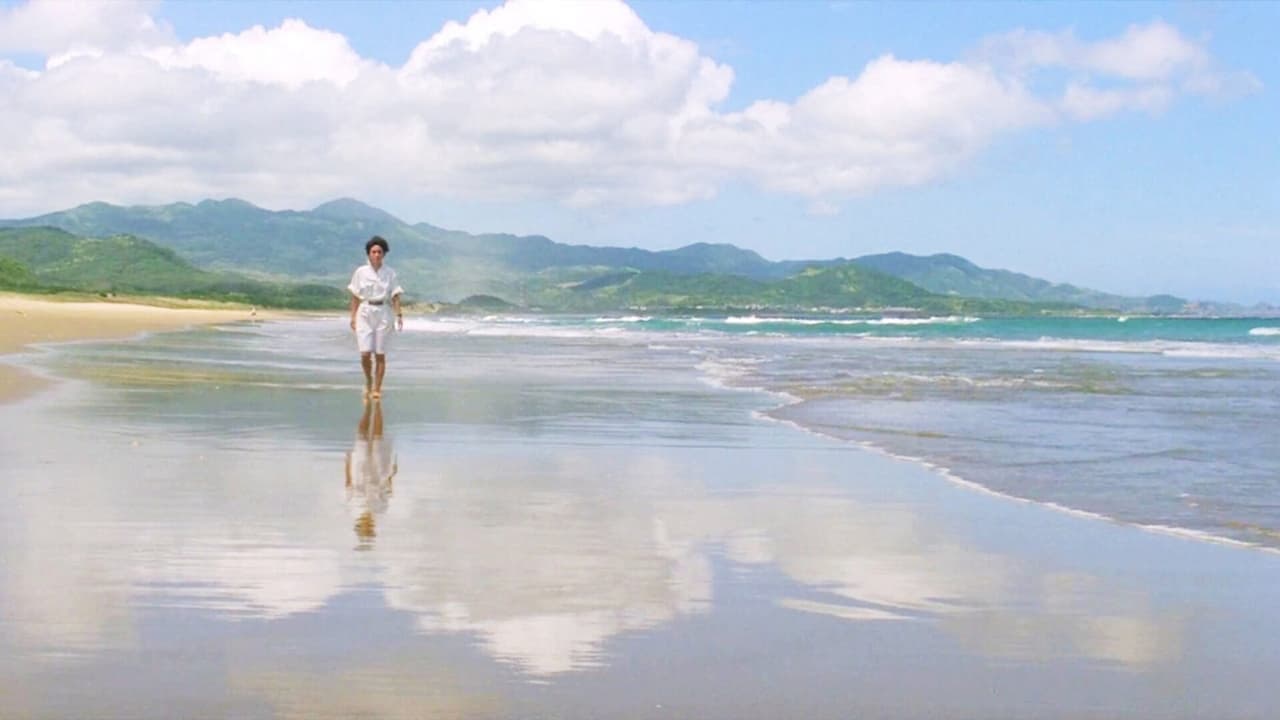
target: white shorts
<point>374,325</point>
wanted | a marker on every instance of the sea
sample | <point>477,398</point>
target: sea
<point>1168,423</point>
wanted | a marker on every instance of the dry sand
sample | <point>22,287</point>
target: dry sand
<point>25,320</point>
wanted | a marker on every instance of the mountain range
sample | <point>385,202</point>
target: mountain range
<point>225,244</point>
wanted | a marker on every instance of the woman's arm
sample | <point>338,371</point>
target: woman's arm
<point>355,305</point>
<point>395,303</point>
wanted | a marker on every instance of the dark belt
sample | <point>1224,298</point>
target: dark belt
<point>375,302</point>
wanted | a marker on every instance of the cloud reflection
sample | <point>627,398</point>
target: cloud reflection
<point>543,558</point>
<point>542,553</point>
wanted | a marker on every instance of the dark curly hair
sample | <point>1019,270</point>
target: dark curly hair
<point>380,242</point>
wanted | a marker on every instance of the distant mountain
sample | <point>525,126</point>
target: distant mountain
<point>326,243</point>
<point>953,275</point>
<point>535,253</point>
<point>234,234</point>
<point>323,245</point>
<point>837,287</point>
<point>348,210</point>
<point>49,259</point>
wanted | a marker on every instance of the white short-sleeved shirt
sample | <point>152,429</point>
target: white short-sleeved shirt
<point>377,285</point>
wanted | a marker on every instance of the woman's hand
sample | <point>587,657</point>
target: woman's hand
<point>400,323</point>
<point>353,323</point>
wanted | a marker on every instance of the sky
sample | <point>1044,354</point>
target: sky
<point>1129,147</point>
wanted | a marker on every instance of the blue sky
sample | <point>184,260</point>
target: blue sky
<point>1128,147</point>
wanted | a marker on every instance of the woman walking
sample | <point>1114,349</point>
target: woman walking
<point>375,311</point>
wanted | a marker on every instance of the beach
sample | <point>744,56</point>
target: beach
<point>566,519</point>
<point>27,320</point>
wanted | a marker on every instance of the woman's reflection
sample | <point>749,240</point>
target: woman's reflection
<point>370,468</point>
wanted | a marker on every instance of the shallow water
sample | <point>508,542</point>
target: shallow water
<point>1162,422</point>
<point>563,525</point>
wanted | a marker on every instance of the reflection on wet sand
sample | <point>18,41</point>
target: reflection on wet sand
<point>886,563</point>
<point>542,553</point>
<point>877,557</point>
<point>370,468</point>
<point>542,556</point>
<point>545,575</point>
<point>1077,615</point>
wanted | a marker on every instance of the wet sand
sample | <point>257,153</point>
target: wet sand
<point>27,320</point>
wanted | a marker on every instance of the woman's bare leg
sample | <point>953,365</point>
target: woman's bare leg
<point>379,372</point>
<point>366,364</point>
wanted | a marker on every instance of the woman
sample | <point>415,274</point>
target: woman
<point>375,295</point>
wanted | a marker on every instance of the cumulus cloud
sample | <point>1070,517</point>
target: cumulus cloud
<point>571,101</point>
<point>55,27</point>
<point>898,123</point>
<point>290,55</point>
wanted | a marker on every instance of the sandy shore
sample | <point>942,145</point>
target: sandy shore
<point>25,320</point>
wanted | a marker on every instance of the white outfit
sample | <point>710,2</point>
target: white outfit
<point>375,318</point>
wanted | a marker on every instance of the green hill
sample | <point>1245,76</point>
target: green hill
<point>16,276</point>
<point>233,234</point>
<point>53,259</point>
<point>952,275</point>
<point>838,287</point>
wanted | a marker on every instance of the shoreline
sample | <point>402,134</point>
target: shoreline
<point>29,320</point>
<point>949,476</point>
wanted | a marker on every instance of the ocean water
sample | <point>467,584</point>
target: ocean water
<point>1167,423</point>
<point>647,517</point>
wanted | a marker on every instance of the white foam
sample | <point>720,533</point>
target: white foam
<point>949,320</point>
<point>727,374</point>
<point>757,320</point>
<point>754,320</point>
<point>1169,348</point>
<point>440,325</point>
<point>1264,331</point>
<point>1203,536</point>
<point>497,326</point>
<point>624,319</point>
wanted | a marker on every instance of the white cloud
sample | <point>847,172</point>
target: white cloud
<point>1145,52</point>
<point>1156,51</point>
<point>898,123</point>
<point>577,102</point>
<point>54,27</point>
<point>290,55</point>
<point>1086,103</point>
<point>1144,69</point>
